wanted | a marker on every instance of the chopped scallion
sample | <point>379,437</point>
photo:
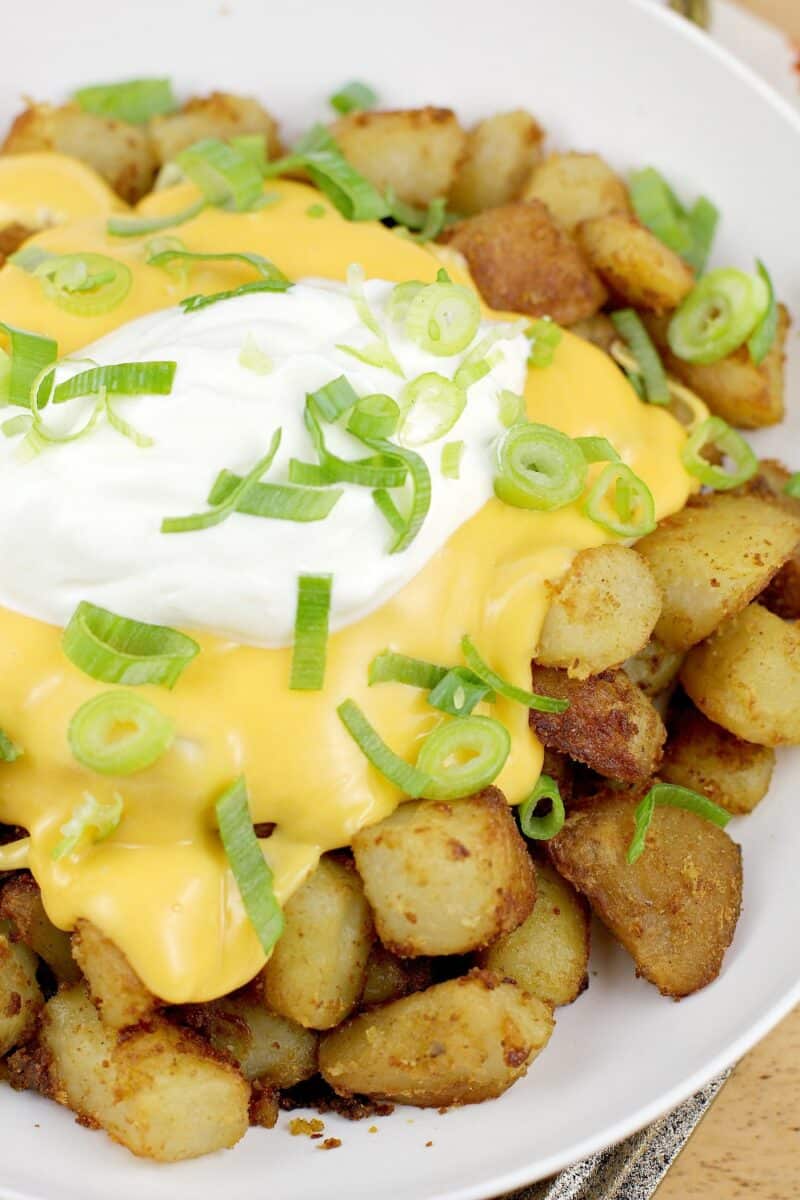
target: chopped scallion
<point>118,733</point>
<point>544,827</point>
<point>118,649</point>
<point>452,453</point>
<point>718,434</point>
<point>631,329</point>
<point>31,355</point>
<point>122,379</point>
<point>214,516</point>
<point>389,667</point>
<point>249,867</point>
<point>458,692</point>
<point>310,633</point>
<point>227,177</point>
<point>462,757</point>
<point>503,688</point>
<point>353,97</point>
<point>90,819</point>
<point>278,501</point>
<point>673,796</point>
<point>134,101</point>
<point>409,780</point>
<point>762,338</point>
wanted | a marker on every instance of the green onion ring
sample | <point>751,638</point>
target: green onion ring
<point>621,503</point>
<point>541,829</point>
<point>538,467</point>
<point>718,433</point>
<point>96,741</point>
<point>719,315</point>
<point>463,756</point>
<point>118,649</point>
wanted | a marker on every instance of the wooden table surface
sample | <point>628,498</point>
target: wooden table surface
<point>748,1144</point>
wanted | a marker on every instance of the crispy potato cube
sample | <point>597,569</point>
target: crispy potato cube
<point>610,724</point>
<point>459,1042</point>
<point>390,977</point>
<point>120,152</point>
<point>414,151</point>
<point>578,187</point>
<point>220,115</point>
<point>21,905</point>
<point>446,877</point>
<point>712,558</point>
<point>20,997</point>
<point>746,677</point>
<point>267,1047</point>
<point>675,909</point>
<point>602,612</point>
<point>501,151</point>
<point>654,668</point>
<point>634,263</point>
<point>706,758</point>
<point>317,970</point>
<point>522,261</point>
<point>116,989</point>
<point>548,954</point>
<point>599,330</point>
<point>782,593</point>
<point>159,1090</point>
<point>735,388</point>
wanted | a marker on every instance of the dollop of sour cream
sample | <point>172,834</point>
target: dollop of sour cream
<point>82,520</point>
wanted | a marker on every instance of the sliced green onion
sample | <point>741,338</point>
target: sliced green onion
<point>315,211</point>
<point>350,193</point>
<point>538,467</point>
<point>308,474</point>
<point>400,298</point>
<point>703,220</point>
<point>127,430</point>
<point>670,795</point>
<point>135,101</point>
<point>214,516</point>
<point>253,358</point>
<point>226,177</point>
<point>458,692</point>
<point>792,487</point>
<point>389,667</point>
<point>84,285</point>
<point>377,353</point>
<point>335,398</point>
<point>279,501</point>
<point>411,781</point>
<point>374,416</point>
<point>508,690</point>
<point>39,437</point>
<point>90,818</point>
<point>15,425</point>
<point>620,502</point>
<point>9,751</point>
<point>541,829</point>
<point>435,221</point>
<point>717,433</point>
<point>353,97</point>
<point>462,757</point>
<point>138,226</point>
<point>630,328</point>
<point>719,315</point>
<point>544,336</point>
<point>385,470</point>
<point>388,509</point>
<point>511,408</point>
<point>310,633</point>
<point>452,453</point>
<point>472,372</point>
<point>193,303</point>
<point>430,407</point>
<point>252,146</point>
<point>263,267</point>
<point>762,338</point>
<point>597,449</point>
<point>122,379</point>
<point>420,478</point>
<point>248,865</point>
<point>443,318</point>
<point>31,355</point>
<point>118,733</point>
<point>657,207</point>
<point>427,223</point>
<point>117,649</point>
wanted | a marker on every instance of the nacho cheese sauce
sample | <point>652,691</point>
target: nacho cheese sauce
<point>81,522</point>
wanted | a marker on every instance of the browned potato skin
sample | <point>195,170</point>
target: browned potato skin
<point>120,152</point>
<point>317,970</point>
<point>21,905</point>
<point>446,877</point>
<point>655,668</point>
<point>782,593</point>
<point>712,558</point>
<point>675,909</point>
<point>634,264</point>
<point>415,151</point>
<point>20,997</point>
<point>390,977</point>
<point>706,758</point>
<point>522,261</point>
<point>264,1106</point>
<point>548,954</point>
<point>601,613</point>
<point>117,991</point>
<point>501,151</point>
<point>266,1047</point>
<point>736,389</point>
<point>459,1042</point>
<point>746,677</point>
<point>610,724</point>
<point>578,187</point>
<point>220,115</point>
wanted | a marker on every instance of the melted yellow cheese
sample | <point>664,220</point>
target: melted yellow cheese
<point>160,885</point>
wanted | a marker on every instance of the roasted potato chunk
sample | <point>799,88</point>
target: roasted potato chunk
<point>735,388</point>
<point>20,997</point>
<point>446,877</point>
<point>272,1049</point>
<point>522,261</point>
<point>610,724</point>
<point>159,1090</point>
<point>390,977</point>
<point>116,989</point>
<point>459,1042</point>
<point>599,330</point>
<point>121,153</point>
<point>634,264</point>
<point>746,677</point>
<point>675,909</point>
<point>712,558</point>
<point>501,151</point>
<point>220,115</point>
<point>654,668</point>
<point>602,612</point>
<point>416,151</point>
<point>21,905</point>
<point>706,758</point>
<point>548,954</point>
<point>578,187</point>
<point>317,970</point>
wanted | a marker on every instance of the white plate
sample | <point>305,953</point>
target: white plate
<point>627,79</point>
